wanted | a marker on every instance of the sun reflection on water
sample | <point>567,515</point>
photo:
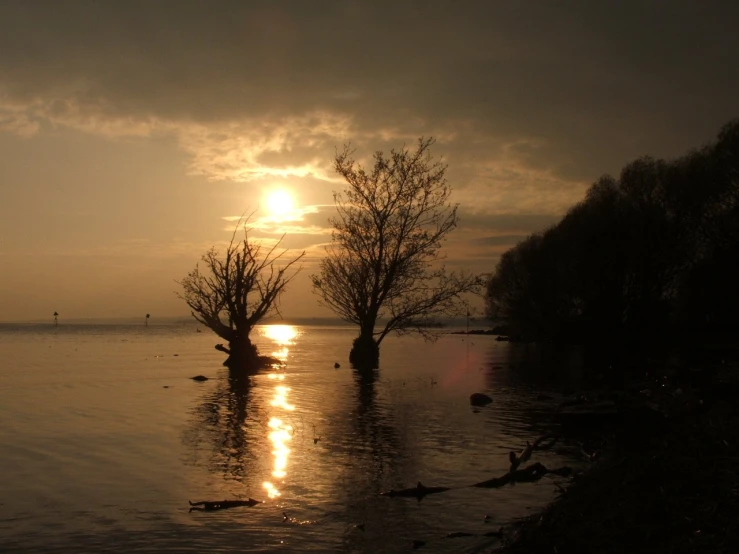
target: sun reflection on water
<point>280,432</point>
<point>281,334</point>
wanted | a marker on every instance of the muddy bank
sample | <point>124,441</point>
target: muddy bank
<point>659,488</point>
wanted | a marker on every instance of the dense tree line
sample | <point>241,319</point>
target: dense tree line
<point>650,255</point>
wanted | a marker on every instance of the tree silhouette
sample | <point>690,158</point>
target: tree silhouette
<point>233,292</point>
<point>381,265</point>
<point>646,257</point>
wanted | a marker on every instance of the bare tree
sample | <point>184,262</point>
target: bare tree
<point>232,293</point>
<point>381,269</point>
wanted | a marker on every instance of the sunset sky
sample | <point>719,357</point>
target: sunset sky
<point>132,133</point>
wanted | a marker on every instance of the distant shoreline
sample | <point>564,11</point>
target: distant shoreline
<point>476,332</point>
<point>186,320</point>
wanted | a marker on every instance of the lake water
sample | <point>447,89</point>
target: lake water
<point>104,439</point>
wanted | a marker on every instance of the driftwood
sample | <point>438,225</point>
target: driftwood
<point>419,491</point>
<point>207,506</point>
<point>458,534</point>
<point>532,473</point>
<point>526,454</point>
<point>529,474</point>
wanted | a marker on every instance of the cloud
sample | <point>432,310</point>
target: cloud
<point>244,150</point>
<point>530,100</point>
<point>499,240</point>
<point>14,119</point>
<point>502,224</point>
<point>127,248</point>
<point>302,220</point>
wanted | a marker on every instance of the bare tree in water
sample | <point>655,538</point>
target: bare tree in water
<point>231,293</point>
<point>381,270</point>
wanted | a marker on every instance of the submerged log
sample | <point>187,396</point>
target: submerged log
<point>209,506</point>
<point>526,454</point>
<point>532,473</point>
<point>529,474</point>
<point>419,491</point>
<point>458,534</point>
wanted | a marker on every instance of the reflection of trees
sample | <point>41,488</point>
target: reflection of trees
<point>374,427</point>
<point>534,365</point>
<point>220,421</point>
<point>516,374</point>
<point>374,455</point>
<point>369,443</point>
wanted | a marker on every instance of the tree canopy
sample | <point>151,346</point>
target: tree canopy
<point>382,270</point>
<point>234,291</point>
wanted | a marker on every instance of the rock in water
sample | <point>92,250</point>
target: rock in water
<point>199,378</point>
<point>480,399</point>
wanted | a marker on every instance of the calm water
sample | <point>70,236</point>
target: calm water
<point>104,439</point>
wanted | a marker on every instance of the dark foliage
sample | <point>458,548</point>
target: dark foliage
<point>652,256</point>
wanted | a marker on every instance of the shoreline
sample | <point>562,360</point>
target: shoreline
<point>672,487</point>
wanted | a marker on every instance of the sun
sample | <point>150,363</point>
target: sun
<point>279,202</point>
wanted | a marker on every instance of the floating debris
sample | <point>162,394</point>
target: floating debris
<point>208,506</point>
<point>418,492</point>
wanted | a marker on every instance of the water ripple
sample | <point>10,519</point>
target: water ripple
<point>105,439</point>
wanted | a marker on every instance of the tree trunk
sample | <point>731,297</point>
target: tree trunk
<point>243,355</point>
<point>365,353</point>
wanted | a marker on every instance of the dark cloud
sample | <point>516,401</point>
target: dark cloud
<point>572,88</point>
<point>498,240</point>
<point>502,224</point>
